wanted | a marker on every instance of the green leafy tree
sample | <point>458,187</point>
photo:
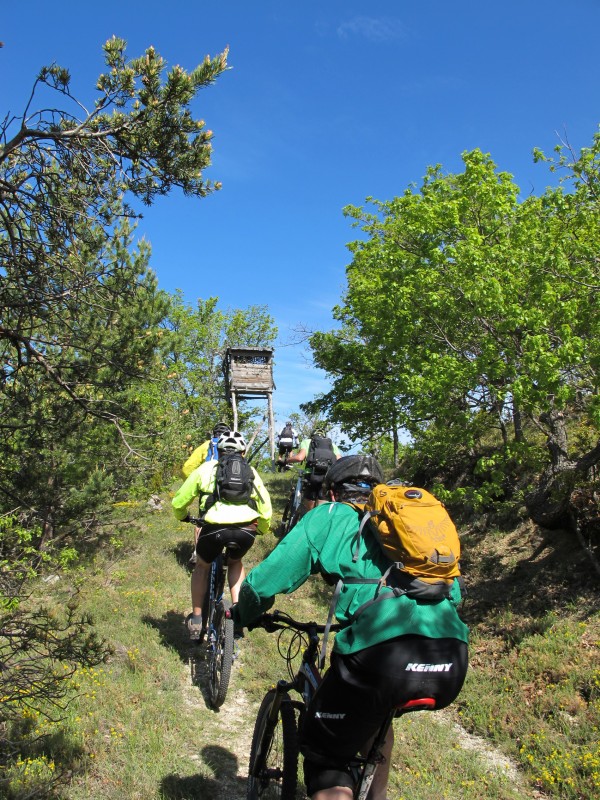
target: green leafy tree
<point>40,653</point>
<point>189,396</point>
<point>80,312</point>
<point>79,330</point>
<point>470,310</point>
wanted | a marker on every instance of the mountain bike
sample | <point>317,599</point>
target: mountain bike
<point>293,507</point>
<point>273,769</point>
<point>285,465</point>
<point>217,630</point>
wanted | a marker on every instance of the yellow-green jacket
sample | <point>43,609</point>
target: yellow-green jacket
<point>201,483</point>
<point>197,457</point>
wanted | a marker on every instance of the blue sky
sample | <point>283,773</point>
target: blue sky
<point>325,104</point>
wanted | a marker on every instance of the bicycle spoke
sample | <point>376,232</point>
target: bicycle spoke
<point>221,658</point>
<point>274,753</point>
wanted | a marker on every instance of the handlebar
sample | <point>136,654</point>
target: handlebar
<point>279,620</point>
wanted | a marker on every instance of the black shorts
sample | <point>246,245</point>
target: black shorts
<point>285,449</point>
<point>235,540</point>
<point>312,487</point>
<point>359,690</point>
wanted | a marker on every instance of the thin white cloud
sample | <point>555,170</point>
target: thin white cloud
<point>375,29</point>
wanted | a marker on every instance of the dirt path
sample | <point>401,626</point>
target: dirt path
<point>227,732</point>
<point>230,736</point>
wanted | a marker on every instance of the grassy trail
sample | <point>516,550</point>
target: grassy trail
<point>142,729</point>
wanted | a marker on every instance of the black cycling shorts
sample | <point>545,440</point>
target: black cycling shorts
<point>235,540</point>
<point>359,690</point>
<point>312,487</point>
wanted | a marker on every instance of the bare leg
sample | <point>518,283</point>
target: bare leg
<point>235,575</point>
<point>378,790</point>
<point>335,793</point>
<point>199,582</point>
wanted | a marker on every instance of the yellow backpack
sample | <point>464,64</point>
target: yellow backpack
<point>416,533</point>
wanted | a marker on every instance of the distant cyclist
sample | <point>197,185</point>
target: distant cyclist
<point>207,451</point>
<point>229,521</point>
<point>287,440</point>
<point>385,654</point>
<point>317,453</point>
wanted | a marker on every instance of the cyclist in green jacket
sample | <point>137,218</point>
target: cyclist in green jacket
<point>226,524</point>
<point>312,485</point>
<point>393,651</point>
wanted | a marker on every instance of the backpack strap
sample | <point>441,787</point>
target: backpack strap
<point>213,496</point>
<point>255,488</point>
<point>334,598</point>
<point>332,605</point>
<point>396,592</point>
<point>365,518</point>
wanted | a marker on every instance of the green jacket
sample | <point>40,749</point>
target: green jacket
<point>322,542</point>
<point>305,445</point>
<point>201,483</point>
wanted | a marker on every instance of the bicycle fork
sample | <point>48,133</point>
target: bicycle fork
<point>215,604</point>
<point>270,725</point>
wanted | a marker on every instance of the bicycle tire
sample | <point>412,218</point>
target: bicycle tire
<point>221,658</point>
<point>295,518</point>
<point>288,506</point>
<point>277,778</point>
<point>292,511</point>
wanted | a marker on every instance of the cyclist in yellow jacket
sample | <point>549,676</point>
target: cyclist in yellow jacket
<point>205,451</point>
<point>226,525</point>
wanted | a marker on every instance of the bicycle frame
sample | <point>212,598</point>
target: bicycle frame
<point>293,507</point>
<point>217,630</point>
<point>215,591</point>
<point>305,682</point>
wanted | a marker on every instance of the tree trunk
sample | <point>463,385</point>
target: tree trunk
<point>550,504</point>
<point>517,423</point>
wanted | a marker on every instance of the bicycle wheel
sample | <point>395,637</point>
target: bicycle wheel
<point>273,770</point>
<point>291,513</point>
<point>221,657</point>
<point>295,518</point>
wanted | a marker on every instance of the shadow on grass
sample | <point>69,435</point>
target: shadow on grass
<point>199,662</point>
<point>183,551</point>
<point>226,782</point>
<point>550,572</point>
<point>21,748</point>
<point>174,635</point>
<point>172,631</point>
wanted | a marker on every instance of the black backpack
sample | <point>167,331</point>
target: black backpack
<point>319,458</point>
<point>287,433</point>
<point>234,482</point>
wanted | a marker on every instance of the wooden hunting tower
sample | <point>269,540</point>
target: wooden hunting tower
<point>249,376</point>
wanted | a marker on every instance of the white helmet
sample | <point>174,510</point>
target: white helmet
<point>231,442</point>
